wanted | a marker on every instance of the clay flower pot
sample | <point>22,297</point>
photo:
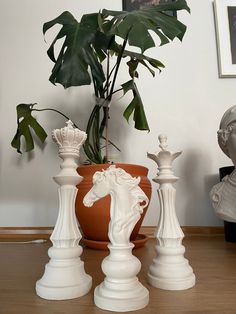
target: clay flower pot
<point>94,220</point>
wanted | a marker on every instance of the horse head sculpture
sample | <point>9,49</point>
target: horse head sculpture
<point>127,201</point>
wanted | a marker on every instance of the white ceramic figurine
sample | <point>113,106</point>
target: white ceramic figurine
<point>64,276</point>
<point>120,291</point>
<point>170,270</point>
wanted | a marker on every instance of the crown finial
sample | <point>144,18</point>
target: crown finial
<point>163,141</point>
<point>69,139</point>
<point>70,124</point>
<point>164,159</point>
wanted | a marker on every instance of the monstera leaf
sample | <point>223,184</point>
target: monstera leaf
<point>85,43</point>
<point>138,58</point>
<point>83,48</point>
<point>25,123</point>
<point>135,107</point>
<point>77,55</point>
<point>135,25</point>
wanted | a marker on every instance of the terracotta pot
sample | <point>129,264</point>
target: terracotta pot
<point>94,220</point>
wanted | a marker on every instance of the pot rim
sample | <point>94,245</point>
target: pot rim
<point>115,163</point>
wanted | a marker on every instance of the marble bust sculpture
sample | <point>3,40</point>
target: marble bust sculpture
<point>223,194</point>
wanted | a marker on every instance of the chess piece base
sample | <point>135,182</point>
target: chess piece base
<point>121,290</point>
<point>172,284</point>
<point>121,297</point>
<point>63,280</point>
<point>170,270</point>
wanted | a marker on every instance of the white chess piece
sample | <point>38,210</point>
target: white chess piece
<point>120,291</point>
<point>64,276</point>
<point>170,270</point>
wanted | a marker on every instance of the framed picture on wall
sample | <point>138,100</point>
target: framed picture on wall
<point>129,5</point>
<point>225,20</point>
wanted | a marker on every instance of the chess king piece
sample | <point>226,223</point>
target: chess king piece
<point>64,276</point>
<point>120,291</point>
<point>169,270</point>
<point>223,194</point>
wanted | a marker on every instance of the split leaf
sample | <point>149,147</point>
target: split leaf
<point>25,123</point>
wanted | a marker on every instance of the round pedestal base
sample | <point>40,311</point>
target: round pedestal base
<point>62,293</point>
<point>121,300</point>
<point>170,270</point>
<point>63,282</point>
<point>172,284</point>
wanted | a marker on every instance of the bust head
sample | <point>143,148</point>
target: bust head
<point>227,134</point>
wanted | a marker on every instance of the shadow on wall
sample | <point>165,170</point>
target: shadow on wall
<point>196,186</point>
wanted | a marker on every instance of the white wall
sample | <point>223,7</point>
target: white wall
<point>186,102</point>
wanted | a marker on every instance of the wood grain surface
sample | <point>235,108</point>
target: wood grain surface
<point>213,261</point>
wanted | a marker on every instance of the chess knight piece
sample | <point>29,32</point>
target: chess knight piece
<point>170,270</point>
<point>64,276</point>
<point>120,291</point>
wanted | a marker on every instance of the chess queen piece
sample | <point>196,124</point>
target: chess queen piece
<point>64,276</point>
<point>169,270</point>
<point>121,290</point>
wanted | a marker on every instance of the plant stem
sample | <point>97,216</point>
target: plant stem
<point>106,86</point>
<point>107,109</point>
<point>118,90</point>
<point>119,57</point>
<point>62,114</point>
<point>110,143</point>
<point>95,87</point>
<point>108,69</point>
<point>106,131</point>
<point>109,94</point>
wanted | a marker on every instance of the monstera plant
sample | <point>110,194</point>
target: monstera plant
<point>91,52</point>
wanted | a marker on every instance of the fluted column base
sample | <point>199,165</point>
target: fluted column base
<point>170,270</point>
<point>64,277</point>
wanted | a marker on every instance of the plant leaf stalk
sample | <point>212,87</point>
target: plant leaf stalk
<point>59,112</point>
